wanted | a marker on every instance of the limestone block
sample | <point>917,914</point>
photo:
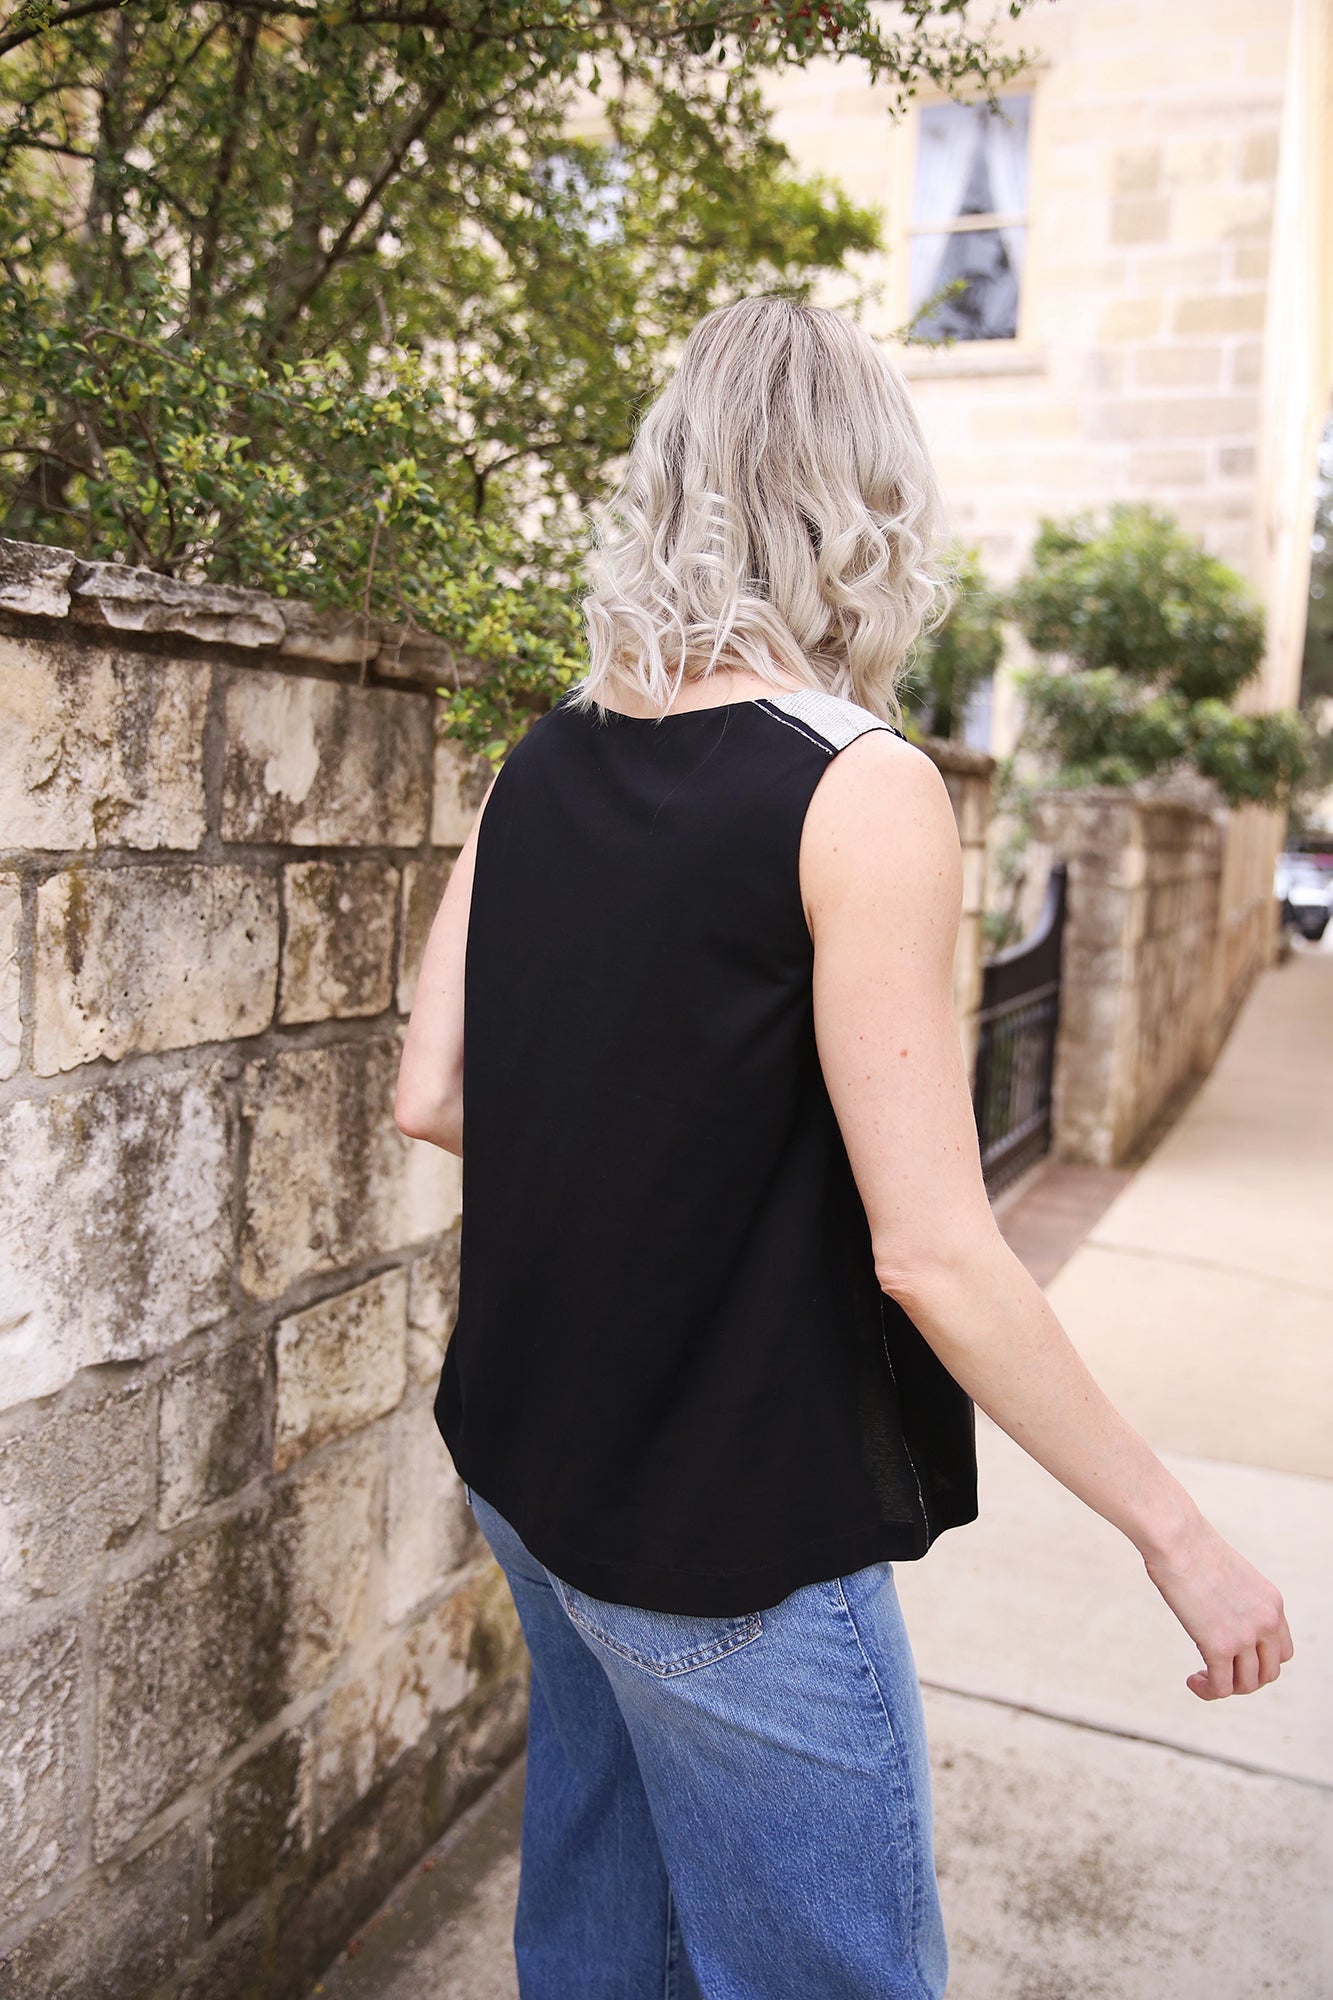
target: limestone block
<point>11,923</point>
<point>1258,156</point>
<point>1169,468</point>
<point>460,786</point>
<point>1088,964</point>
<point>324,1525</point>
<point>1132,319</point>
<point>1224,214</point>
<point>258,1823</point>
<point>35,580</point>
<point>1221,312</point>
<point>1097,822</point>
<point>212,1432</point>
<point>337,956</point>
<point>99,749</point>
<point>974,877</point>
<point>330,1180</point>
<point>1176,367</point>
<point>1021,419</point>
<point>117,1207</point>
<point>340,1364</point>
<point>368,1723</point>
<point>135,959</point>
<point>1136,170</point>
<point>1193,156</point>
<point>192,1663</point>
<point>203,1647</point>
<point>1251,263</point>
<point>41,1691</point>
<point>432,1307</point>
<point>424,884</point>
<point>1179,269</point>
<point>1091,1016</point>
<point>70,1490</point>
<point>123,1935</point>
<point>429,1528</point>
<point>317,764</point>
<point>1161,417</point>
<point>1141,219</point>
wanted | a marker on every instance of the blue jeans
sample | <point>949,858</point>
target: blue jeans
<point>723,1808</point>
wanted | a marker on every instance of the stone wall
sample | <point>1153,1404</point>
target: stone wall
<point>255,1655</point>
<point>1170,918</point>
<point>1247,918</point>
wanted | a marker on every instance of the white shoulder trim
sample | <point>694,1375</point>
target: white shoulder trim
<point>833,720</point>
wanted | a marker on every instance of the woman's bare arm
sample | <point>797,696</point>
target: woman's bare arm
<point>881,877</point>
<point>429,1103</point>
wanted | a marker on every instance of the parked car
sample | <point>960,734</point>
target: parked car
<point>1304,888</point>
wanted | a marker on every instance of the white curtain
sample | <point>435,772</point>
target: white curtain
<point>1007,160</point>
<point>947,144</point>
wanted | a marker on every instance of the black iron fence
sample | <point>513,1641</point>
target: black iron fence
<point>1018,1020</point>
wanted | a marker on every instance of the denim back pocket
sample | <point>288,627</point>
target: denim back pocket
<point>661,1642</point>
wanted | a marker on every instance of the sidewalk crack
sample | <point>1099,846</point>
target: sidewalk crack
<point>1208,1264</point>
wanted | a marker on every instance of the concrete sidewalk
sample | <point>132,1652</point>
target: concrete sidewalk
<point>1103,1835</point>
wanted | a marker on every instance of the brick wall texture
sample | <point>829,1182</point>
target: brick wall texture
<point>254,1655</point>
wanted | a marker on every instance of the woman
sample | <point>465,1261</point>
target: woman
<point>730,1283</point>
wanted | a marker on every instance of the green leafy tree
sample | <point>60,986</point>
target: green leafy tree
<point>336,299</point>
<point>1157,638</point>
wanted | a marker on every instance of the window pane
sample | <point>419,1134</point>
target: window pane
<point>971,160</point>
<point>986,264</point>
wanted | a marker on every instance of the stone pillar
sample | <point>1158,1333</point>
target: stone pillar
<point>1137,997</point>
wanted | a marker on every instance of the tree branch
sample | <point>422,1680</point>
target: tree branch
<point>300,295</point>
<point>203,274</point>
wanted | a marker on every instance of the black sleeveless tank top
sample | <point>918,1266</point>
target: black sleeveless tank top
<point>673,1370</point>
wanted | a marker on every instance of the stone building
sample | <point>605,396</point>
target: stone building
<point>1144,229</point>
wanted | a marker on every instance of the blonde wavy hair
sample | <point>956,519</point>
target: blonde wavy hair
<point>779,512</point>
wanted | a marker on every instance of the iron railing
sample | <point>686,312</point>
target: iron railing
<point>1018,1020</point>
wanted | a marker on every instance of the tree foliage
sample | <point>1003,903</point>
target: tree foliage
<point>361,300</point>
<point>951,662</point>
<point>1156,639</point>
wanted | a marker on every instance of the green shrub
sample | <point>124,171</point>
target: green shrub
<point>1155,639</point>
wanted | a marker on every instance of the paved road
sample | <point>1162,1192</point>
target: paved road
<point>1103,1835</point>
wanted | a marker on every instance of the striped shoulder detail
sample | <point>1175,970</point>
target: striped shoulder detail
<point>827,719</point>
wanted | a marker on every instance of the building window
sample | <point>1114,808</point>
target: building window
<point>969,220</point>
